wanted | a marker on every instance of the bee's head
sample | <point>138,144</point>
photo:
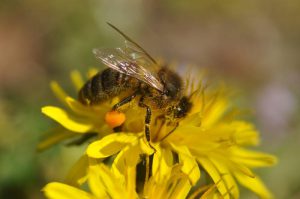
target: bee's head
<point>182,108</point>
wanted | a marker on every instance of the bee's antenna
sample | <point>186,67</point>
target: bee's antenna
<point>133,42</point>
<point>194,92</point>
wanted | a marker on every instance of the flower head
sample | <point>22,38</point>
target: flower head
<point>211,138</point>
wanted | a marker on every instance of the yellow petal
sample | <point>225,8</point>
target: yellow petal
<point>92,72</point>
<point>78,172</point>
<point>214,110</point>
<point>131,182</point>
<point>182,189</point>
<point>83,110</point>
<point>205,189</point>
<point>195,138</point>
<point>227,178</point>
<point>124,167</point>
<point>252,158</point>
<point>56,190</point>
<point>215,175</point>
<point>245,133</point>
<point>102,180</point>
<point>69,121</point>
<point>127,157</point>
<point>189,164</point>
<point>96,185</point>
<point>53,137</point>
<point>110,144</point>
<point>162,163</point>
<point>58,92</point>
<point>190,167</point>
<point>133,154</point>
<point>225,159</point>
<point>210,193</point>
<point>77,79</point>
<point>254,184</point>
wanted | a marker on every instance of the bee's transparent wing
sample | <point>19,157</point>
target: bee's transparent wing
<point>130,62</point>
<point>140,55</point>
<point>134,49</point>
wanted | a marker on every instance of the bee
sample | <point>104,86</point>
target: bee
<point>132,71</point>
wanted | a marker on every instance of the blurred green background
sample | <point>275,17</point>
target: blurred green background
<point>253,45</point>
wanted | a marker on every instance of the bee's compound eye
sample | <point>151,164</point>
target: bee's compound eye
<point>114,118</point>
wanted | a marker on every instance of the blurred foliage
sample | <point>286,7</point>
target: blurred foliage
<point>253,45</point>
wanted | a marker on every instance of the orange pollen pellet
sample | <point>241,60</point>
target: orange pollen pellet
<point>114,118</point>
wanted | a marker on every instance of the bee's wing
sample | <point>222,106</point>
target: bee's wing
<point>130,62</point>
<point>139,54</point>
<point>134,47</point>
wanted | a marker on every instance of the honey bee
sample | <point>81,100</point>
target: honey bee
<point>132,71</point>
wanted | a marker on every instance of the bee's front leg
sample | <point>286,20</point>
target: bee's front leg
<point>177,124</point>
<point>147,122</point>
<point>160,117</point>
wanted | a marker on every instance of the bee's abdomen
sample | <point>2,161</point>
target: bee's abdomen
<point>101,87</point>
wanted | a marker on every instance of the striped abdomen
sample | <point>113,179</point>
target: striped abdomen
<point>105,85</point>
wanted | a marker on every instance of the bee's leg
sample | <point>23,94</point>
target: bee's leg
<point>144,169</point>
<point>159,118</point>
<point>121,103</point>
<point>177,124</point>
<point>147,122</point>
<point>124,101</point>
<point>163,121</point>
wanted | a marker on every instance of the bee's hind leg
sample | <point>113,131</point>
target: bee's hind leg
<point>124,101</point>
<point>147,122</point>
<point>121,103</point>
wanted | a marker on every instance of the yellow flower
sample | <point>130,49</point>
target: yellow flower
<point>210,136</point>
